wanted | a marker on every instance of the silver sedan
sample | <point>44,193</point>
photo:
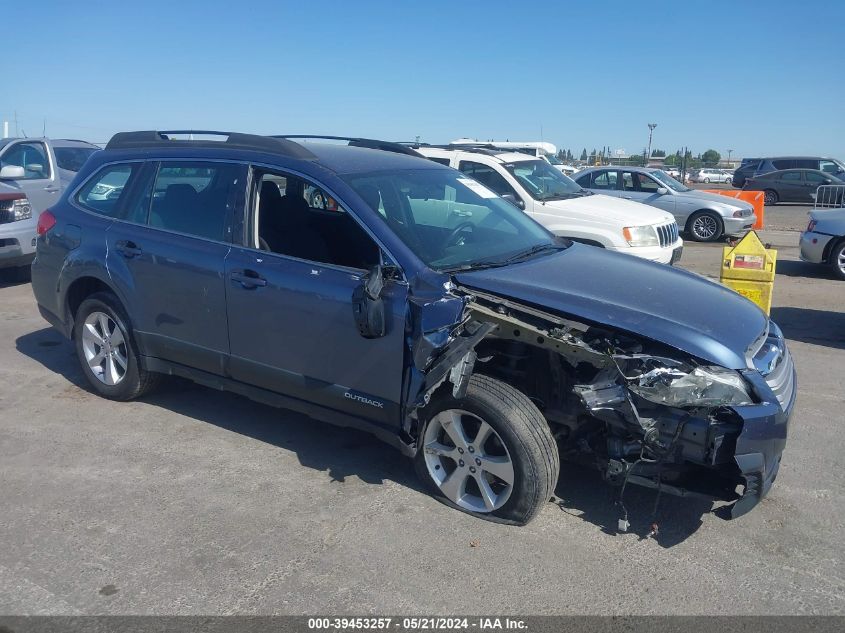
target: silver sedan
<point>704,216</point>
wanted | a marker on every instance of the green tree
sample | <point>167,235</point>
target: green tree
<point>658,153</point>
<point>711,157</point>
<point>584,154</point>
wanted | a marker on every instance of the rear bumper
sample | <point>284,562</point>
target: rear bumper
<point>813,246</point>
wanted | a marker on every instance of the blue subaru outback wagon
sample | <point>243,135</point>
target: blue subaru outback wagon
<point>366,286</point>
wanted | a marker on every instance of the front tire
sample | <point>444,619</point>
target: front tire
<point>106,349</point>
<point>705,226</point>
<point>490,454</point>
<point>837,259</point>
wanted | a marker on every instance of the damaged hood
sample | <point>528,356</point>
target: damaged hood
<point>656,301</point>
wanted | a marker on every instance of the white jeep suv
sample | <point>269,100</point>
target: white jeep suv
<point>564,207</point>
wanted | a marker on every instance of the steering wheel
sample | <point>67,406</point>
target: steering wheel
<point>452,240</point>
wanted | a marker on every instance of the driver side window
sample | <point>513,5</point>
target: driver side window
<point>488,177</point>
<point>294,217</point>
<point>647,184</point>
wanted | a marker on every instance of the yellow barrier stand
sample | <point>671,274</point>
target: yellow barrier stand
<point>749,269</point>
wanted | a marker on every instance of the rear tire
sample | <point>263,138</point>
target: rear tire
<point>106,349</point>
<point>770,197</point>
<point>837,259</point>
<point>507,475</point>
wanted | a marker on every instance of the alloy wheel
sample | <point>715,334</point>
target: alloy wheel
<point>105,349</point>
<point>704,227</point>
<point>840,260</point>
<point>468,461</point>
<point>770,198</point>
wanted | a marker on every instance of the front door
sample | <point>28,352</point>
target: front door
<point>40,181</point>
<point>291,323</point>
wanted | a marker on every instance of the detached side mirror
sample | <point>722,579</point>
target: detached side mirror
<point>12,172</point>
<point>368,306</point>
<point>662,191</point>
<point>519,204</point>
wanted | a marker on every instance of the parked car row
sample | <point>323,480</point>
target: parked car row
<point>754,167</point>
<point>561,205</point>
<point>706,217</point>
<point>422,307</point>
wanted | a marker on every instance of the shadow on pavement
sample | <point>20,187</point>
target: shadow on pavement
<point>791,268</point>
<point>819,327</point>
<point>340,452</point>
<point>344,452</point>
<point>582,492</point>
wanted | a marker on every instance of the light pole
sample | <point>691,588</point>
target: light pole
<point>730,151</point>
<point>651,127</point>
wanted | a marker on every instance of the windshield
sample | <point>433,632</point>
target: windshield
<point>667,180</point>
<point>542,181</point>
<point>449,220</point>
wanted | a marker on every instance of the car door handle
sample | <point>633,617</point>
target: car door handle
<point>463,214</point>
<point>51,189</point>
<point>128,248</point>
<point>628,197</point>
<point>249,279</point>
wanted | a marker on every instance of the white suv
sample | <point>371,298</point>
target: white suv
<point>564,207</point>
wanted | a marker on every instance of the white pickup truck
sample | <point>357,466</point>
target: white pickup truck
<point>563,206</point>
<point>33,172</point>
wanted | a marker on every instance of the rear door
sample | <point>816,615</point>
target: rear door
<point>290,317</point>
<point>40,181</point>
<point>168,253</point>
<point>791,186</point>
<point>604,181</point>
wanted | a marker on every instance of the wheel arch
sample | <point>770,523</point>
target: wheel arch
<point>80,289</point>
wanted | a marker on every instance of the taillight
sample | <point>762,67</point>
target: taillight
<point>46,221</point>
<point>811,225</point>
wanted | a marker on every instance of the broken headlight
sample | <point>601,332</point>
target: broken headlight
<point>676,384</point>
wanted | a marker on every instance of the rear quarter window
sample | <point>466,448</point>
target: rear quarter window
<point>104,193</point>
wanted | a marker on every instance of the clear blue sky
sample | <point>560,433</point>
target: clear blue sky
<point>759,78</point>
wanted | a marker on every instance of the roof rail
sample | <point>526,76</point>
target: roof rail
<point>354,141</point>
<point>233,140</point>
<point>481,148</point>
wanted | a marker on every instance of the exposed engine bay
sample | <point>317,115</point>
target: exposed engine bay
<point>634,409</point>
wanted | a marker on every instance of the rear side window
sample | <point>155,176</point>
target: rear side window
<point>104,193</point>
<point>791,175</point>
<point>32,157</point>
<point>195,198</point>
<point>604,180</point>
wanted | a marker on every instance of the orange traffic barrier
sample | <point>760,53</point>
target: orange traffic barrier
<point>756,198</point>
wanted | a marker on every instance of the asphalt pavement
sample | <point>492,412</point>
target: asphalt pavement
<point>194,501</point>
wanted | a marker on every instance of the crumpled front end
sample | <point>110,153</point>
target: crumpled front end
<point>640,411</point>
